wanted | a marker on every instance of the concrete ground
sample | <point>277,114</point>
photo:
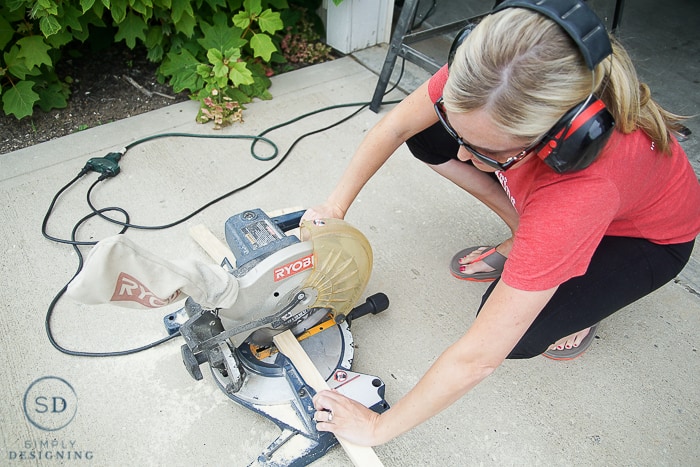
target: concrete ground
<point>632,399</point>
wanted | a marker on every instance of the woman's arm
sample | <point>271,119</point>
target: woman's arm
<point>503,320</point>
<point>410,116</point>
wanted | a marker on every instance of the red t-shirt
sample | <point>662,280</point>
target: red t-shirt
<point>631,190</point>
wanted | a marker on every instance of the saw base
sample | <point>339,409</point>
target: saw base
<point>273,388</point>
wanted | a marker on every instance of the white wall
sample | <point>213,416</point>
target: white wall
<point>357,24</point>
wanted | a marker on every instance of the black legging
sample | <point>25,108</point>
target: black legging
<point>622,271</point>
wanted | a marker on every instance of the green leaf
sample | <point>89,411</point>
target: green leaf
<point>240,74</point>
<point>56,41</point>
<point>20,99</point>
<point>49,26</point>
<point>270,21</point>
<point>220,36</point>
<point>16,65</point>
<point>118,10</point>
<point>261,83</point>
<point>86,4</point>
<point>155,54</point>
<point>262,46</point>
<point>186,25</point>
<point>34,50</point>
<point>233,54</point>
<point>13,5</point>
<point>93,17</point>
<point>154,36</point>
<point>6,32</point>
<point>81,36</point>
<point>70,17</point>
<point>216,58</point>
<point>133,27</point>
<point>53,96</point>
<point>142,7</point>
<point>254,7</point>
<point>43,8</point>
<point>237,95</point>
<point>182,68</point>
<point>204,71</point>
<point>242,19</point>
<point>180,8</point>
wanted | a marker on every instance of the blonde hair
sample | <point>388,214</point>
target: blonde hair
<point>527,72</point>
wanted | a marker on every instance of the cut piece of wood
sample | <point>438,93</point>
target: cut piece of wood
<point>212,245</point>
<point>290,347</point>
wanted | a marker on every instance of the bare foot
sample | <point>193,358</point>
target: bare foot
<point>570,342</point>
<point>472,263</point>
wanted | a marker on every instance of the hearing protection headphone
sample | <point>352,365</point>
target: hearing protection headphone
<point>574,142</point>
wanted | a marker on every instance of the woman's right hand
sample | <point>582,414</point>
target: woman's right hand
<point>326,210</point>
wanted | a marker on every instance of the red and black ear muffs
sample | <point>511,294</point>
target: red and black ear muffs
<point>575,141</point>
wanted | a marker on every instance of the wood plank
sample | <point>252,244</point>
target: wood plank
<point>214,247</point>
<point>290,347</point>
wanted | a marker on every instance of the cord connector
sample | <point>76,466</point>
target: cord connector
<point>108,165</point>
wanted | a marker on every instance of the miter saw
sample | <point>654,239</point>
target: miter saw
<point>309,286</point>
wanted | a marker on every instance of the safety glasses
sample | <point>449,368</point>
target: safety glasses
<point>493,163</point>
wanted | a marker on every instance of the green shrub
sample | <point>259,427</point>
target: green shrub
<point>221,52</point>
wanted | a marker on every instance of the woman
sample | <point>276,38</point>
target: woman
<point>585,242</point>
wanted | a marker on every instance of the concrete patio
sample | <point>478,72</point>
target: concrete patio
<point>632,399</point>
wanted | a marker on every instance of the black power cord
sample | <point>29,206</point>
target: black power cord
<point>108,167</point>
<point>255,140</point>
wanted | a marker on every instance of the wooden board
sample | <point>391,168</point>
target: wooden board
<point>214,247</point>
<point>290,347</point>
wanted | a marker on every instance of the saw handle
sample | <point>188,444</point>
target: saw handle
<point>374,304</point>
<point>287,222</point>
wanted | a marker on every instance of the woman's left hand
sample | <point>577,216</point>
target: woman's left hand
<point>346,418</point>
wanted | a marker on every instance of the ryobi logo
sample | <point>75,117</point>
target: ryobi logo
<point>302,264</point>
<point>130,289</point>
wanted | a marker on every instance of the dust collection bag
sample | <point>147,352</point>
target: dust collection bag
<point>119,272</point>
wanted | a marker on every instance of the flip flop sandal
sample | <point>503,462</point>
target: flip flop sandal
<point>570,354</point>
<point>490,257</point>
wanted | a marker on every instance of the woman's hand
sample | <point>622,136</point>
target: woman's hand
<point>326,210</point>
<point>346,418</point>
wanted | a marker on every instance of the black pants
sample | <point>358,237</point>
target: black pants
<point>622,271</point>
